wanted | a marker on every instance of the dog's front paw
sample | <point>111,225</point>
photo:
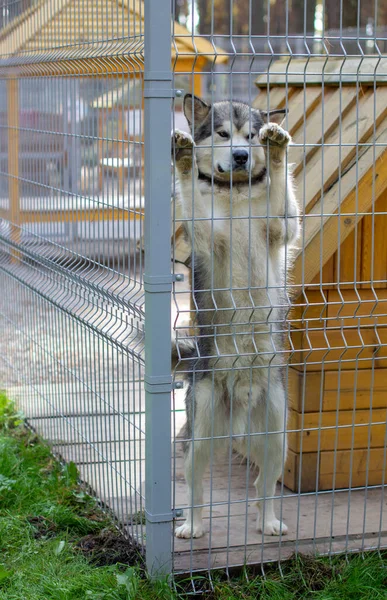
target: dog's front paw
<point>182,150</point>
<point>275,135</point>
<point>187,530</point>
<point>273,527</point>
<point>182,139</point>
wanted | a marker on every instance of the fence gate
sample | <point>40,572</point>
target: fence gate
<point>249,346</point>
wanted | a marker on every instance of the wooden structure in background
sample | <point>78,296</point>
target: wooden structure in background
<point>115,103</point>
<point>338,373</point>
<point>52,38</point>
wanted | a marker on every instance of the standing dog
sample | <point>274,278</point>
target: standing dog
<point>236,197</point>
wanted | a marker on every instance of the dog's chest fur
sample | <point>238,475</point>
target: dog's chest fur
<point>238,282</point>
<point>239,263</point>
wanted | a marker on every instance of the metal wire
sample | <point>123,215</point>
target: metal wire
<point>72,239</point>
<point>330,488</point>
<point>85,191</point>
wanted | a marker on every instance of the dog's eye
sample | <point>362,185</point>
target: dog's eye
<point>250,136</point>
<point>224,134</point>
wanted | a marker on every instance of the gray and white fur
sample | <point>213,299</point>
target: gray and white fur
<point>237,197</point>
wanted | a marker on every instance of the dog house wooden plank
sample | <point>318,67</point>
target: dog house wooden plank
<point>333,363</point>
<point>310,309</point>
<point>341,430</point>
<point>310,389</point>
<point>306,480</point>
<point>292,382</point>
<point>363,389</point>
<point>321,122</point>
<point>352,308</point>
<point>330,70</point>
<point>273,98</point>
<point>347,308</point>
<point>357,468</point>
<point>326,276</point>
<point>339,349</point>
<point>343,389</point>
<point>336,470</point>
<point>301,105</point>
<point>374,246</point>
<point>329,162</point>
<point>321,233</point>
<point>347,262</point>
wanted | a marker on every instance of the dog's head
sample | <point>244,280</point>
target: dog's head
<point>226,135</point>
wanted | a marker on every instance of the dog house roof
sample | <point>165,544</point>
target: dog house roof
<point>55,38</point>
<point>325,70</point>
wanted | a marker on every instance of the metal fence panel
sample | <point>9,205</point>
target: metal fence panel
<point>253,339</point>
<point>278,336</point>
<point>71,236</point>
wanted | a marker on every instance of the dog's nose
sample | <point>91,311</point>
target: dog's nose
<point>241,157</point>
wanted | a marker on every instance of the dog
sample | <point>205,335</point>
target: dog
<point>235,194</point>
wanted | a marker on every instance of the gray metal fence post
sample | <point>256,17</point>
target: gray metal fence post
<point>158,284</point>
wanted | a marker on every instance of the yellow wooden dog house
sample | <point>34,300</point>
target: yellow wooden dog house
<point>338,328</point>
<point>54,39</point>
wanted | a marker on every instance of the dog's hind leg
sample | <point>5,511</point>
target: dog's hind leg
<point>203,413</point>
<point>268,451</point>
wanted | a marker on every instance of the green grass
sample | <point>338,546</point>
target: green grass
<point>47,522</point>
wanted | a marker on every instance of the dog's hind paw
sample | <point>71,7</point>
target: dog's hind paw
<point>273,527</point>
<point>187,531</point>
<point>275,135</point>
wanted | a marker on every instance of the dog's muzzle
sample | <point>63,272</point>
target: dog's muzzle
<point>240,159</point>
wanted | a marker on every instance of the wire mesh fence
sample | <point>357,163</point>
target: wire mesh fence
<point>204,341</point>
<point>72,239</point>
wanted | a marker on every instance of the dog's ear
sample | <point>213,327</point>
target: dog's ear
<point>195,109</point>
<point>274,116</point>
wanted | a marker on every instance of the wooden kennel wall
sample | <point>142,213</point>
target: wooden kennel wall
<point>338,327</point>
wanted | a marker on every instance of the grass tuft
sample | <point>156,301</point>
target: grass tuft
<point>10,418</point>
